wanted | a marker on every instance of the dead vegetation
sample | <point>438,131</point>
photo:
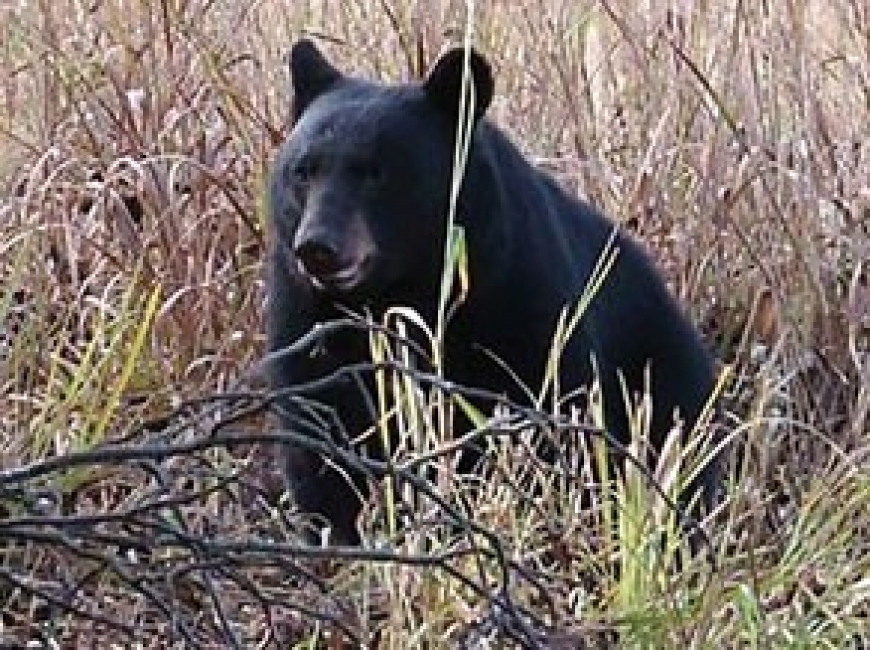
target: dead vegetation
<point>734,138</point>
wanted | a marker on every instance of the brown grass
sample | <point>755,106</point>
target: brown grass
<point>734,138</point>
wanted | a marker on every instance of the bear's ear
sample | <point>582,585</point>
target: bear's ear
<point>444,84</point>
<point>312,75</point>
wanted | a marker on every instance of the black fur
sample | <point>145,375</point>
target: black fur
<point>359,198</point>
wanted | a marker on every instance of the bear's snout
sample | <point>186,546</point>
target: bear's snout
<point>319,258</point>
<point>335,262</point>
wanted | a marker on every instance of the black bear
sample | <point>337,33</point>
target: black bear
<point>360,195</point>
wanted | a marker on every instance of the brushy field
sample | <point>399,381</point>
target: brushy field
<point>732,137</point>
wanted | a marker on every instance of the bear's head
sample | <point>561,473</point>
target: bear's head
<point>361,189</point>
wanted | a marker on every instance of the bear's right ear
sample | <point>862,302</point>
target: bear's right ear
<point>444,84</point>
<point>312,75</point>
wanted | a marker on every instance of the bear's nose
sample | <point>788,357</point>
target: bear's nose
<point>319,258</point>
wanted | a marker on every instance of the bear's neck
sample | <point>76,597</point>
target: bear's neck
<point>506,244</point>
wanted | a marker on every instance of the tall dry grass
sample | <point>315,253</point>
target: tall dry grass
<point>734,138</point>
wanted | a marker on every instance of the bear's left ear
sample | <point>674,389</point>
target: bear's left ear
<point>312,75</point>
<point>444,84</point>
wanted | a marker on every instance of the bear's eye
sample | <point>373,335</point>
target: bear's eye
<point>370,173</point>
<point>305,171</point>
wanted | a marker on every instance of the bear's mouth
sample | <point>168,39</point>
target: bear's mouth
<point>346,279</point>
